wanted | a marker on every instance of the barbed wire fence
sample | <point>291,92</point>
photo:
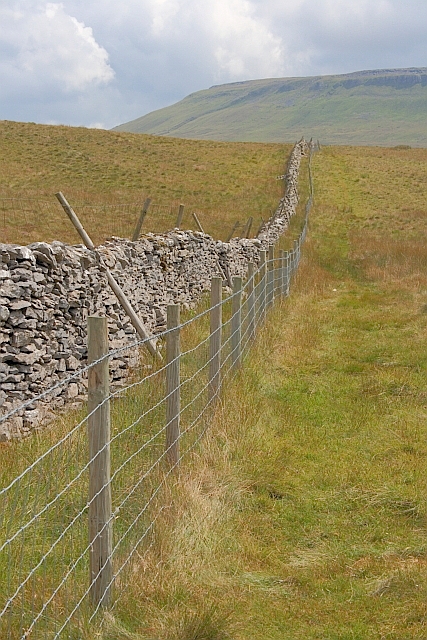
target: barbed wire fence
<point>73,519</point>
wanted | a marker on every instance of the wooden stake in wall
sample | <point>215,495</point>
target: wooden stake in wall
<point>141,218</point>
<point>100,509</point>
<point>247,229</point>
<point>215,339</point>
<point>236,323</point>
<point>236,224</point>
<point>260,228</point>
<point>197,221</point>
<point>180,216</point>
<point>173,390</point>
<point>119,293</point>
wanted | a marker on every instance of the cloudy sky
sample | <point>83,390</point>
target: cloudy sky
<point>104,62</point>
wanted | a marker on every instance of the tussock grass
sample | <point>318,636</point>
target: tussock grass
<point>303,514</point>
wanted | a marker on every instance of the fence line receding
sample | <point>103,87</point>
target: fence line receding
<point>72,521</point>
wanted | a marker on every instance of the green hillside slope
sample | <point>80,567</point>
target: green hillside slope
<point>387,107</point>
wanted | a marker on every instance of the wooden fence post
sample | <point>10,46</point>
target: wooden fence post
<point>260,227</point>
<point>262,274</point>
<point>295,254</point>
<point>140,329</point>
<point>270,276</point>
<point>236,322</point>
<point>251,301</point>
<point>142,215</point>
<point>247,229</point>
<point>236,224</point>
<point>287,272</point>
<point>197,221</point>
<point>215,339</point>
<point>180,216</point>
<point>100,509</point>
<point>281,272</point>
<point>173,390</point>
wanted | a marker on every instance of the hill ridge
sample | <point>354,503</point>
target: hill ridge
<point>384,107</point>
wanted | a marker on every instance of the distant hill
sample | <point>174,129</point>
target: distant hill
<point>385,107</point>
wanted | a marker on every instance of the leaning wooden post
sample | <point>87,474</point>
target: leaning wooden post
<point>251,301</point>
<point>119,293</point>
<point>236,323</point>
<point>173,391</point>
<point>180,216</point>
<point>215,339</point>
<point>281,272</point>
<point>100,509</point>
<point>141,218</point>
<point>270,276</point>
<point>260,228</point>
<point>262,274</point>
<point>236,224</point>
<point>197,221</point>
<point>247,228</point>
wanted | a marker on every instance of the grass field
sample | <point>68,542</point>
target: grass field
<point>107,176</point>
<point>303,513</point>
<point>303,516</point>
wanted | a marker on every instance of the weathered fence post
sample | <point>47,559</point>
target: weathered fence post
<point>251,301</point>
<point>236,224</point>
<point>247,229</point>
<point>100,509</point>
<point>197,221</point>
<point>140,329</point>
<point>173,390</point>
<point>262,274</point>
<point>270,276</point>
<point>287,273</point>
<point>236,322</point>
<point>260,227</point>
<point>141,218</point>
<point>180,216</point>
<point>281,285</point>
<point>215,339</point>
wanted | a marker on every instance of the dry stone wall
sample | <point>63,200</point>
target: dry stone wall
<point>48,290</point>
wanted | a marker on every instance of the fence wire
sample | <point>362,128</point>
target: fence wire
<point>44,547</point>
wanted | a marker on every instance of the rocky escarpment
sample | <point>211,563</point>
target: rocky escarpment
<point>48,290</point>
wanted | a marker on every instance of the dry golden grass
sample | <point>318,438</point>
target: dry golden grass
<point>302,513</point>
<point>99,170</point>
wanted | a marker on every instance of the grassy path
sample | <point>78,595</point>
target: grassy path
<point>304,514</point>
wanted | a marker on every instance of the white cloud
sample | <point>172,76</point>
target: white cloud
<point>246,47</point>
<point>48,47</point>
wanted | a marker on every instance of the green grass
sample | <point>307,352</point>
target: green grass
<point>302,513</point>
<point>106,176</point>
